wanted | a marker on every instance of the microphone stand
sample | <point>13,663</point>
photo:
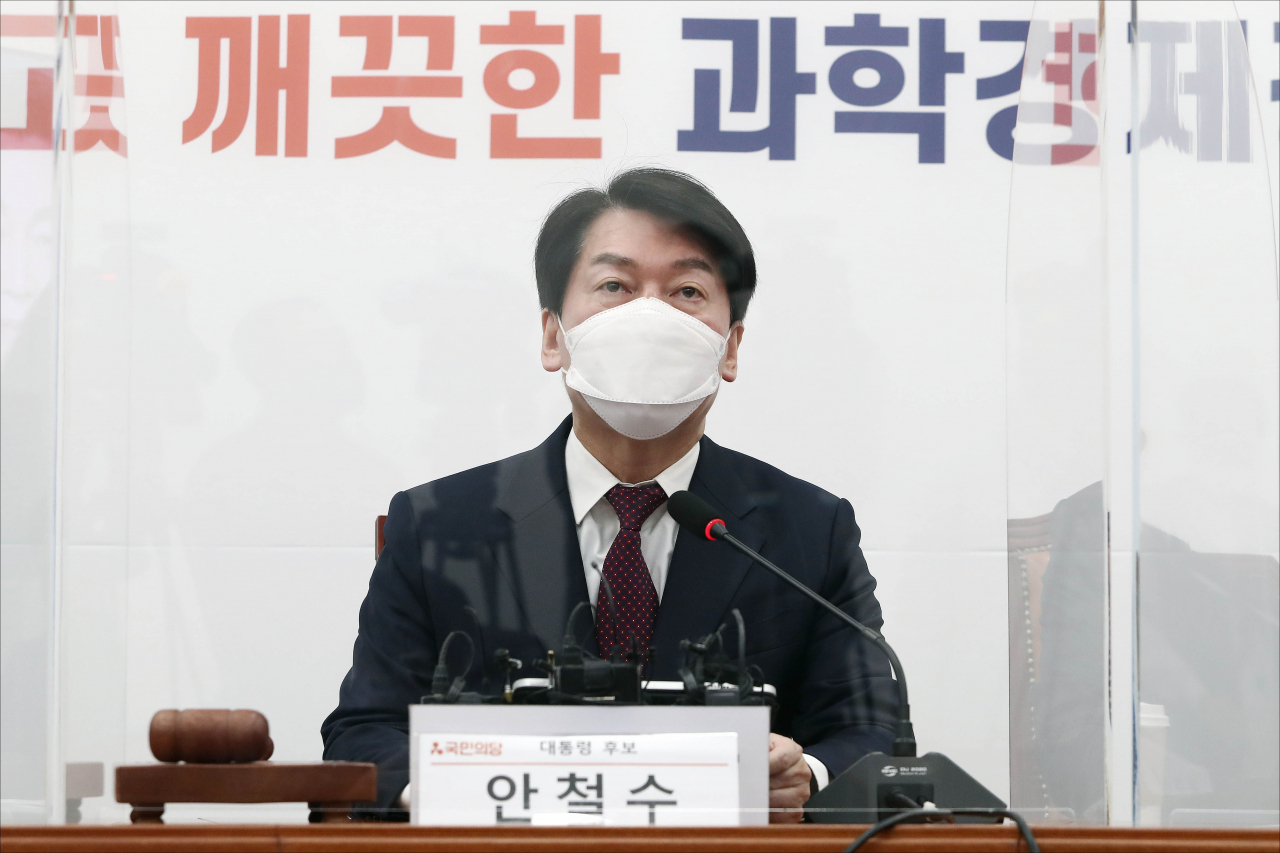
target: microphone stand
<point>879,786</point>
<point>905,743</point>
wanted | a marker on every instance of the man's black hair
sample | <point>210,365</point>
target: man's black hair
<point>672,196</point>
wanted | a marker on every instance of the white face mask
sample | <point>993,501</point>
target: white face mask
<point>643,366</point>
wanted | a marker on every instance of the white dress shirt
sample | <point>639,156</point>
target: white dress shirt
<point>597,522</point>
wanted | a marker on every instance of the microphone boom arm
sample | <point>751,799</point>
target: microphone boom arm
<point>904,743</point>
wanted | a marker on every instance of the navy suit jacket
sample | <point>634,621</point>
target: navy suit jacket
<point>494,552</point>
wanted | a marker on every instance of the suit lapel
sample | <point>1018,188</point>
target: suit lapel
<point>704,576</point>
<point>544,561</point>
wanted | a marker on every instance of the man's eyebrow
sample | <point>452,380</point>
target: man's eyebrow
<point>616,260</point>
<point>693,264</point>
<point>610,259</point>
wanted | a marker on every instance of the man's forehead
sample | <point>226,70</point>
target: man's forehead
<point>628,237</point>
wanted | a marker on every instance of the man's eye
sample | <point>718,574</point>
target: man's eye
<point>690,292</point>
<point>613,286</point>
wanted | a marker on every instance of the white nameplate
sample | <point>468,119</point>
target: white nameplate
<point>604,780</point>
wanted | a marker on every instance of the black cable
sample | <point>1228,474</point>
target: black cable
<point>569,639</point>
<point>745,682</point>
<point>903,817</point>
<point>742,639</point>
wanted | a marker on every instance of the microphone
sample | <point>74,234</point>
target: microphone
<point>877,785</point>
<point>697,516</point>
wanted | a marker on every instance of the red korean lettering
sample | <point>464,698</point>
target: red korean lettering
<point>292,78</point>
<point>210,33</point>
<point>98,127</point>
<point>38,133</point>
<point>590,64</point>
<point>396,123</point>
<point>29,26</point>
<point>274,77</point>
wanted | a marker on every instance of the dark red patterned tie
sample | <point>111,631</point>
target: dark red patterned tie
<point>634,594</point>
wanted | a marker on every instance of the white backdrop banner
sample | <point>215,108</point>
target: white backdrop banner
<point>302,280</point>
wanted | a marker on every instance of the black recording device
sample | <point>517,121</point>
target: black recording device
<point>583,676</point>
<point>709,675</point>
<point>877,786</point>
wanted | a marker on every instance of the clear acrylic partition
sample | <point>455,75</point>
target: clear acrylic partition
<point>96,395</point>
<point>1143,369</point>
<point>29,247</point>
<point>66,385</point>
<point>1056,323</point>
<point>1206,408</point>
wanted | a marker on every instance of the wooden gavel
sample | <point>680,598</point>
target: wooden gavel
<point>220,756</point>
<point>208,736</point>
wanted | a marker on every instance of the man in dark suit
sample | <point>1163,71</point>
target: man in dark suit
<point>644,287</point>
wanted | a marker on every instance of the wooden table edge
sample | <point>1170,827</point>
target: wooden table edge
<point>829,837</point>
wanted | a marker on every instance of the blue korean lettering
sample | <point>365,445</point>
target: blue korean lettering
<point>1008,82</point>
<point>1205,83</point>
<point>1220,52</point>
<point>785,84</point>
<point>1275,84</point>
<point>929,128</point>
<point>745,37</point>
<point>1238,98</point>
<point>1000,131</point>
<point>1000,127</point>
<point>888,87</point>
<point>1063,54</point>
<point>935,63</point>
<point>867,32</point>
<point>1160,123</point>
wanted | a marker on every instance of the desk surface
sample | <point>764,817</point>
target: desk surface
<point>400,837</point>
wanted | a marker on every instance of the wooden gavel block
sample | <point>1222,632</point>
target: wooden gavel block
<point>329,787</point>
<point>222,761</point>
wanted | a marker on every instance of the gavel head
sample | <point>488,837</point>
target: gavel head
<point>210,736</point>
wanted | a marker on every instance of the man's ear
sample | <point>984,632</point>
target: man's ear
<point>729,363</point>
<point>553,356</point>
